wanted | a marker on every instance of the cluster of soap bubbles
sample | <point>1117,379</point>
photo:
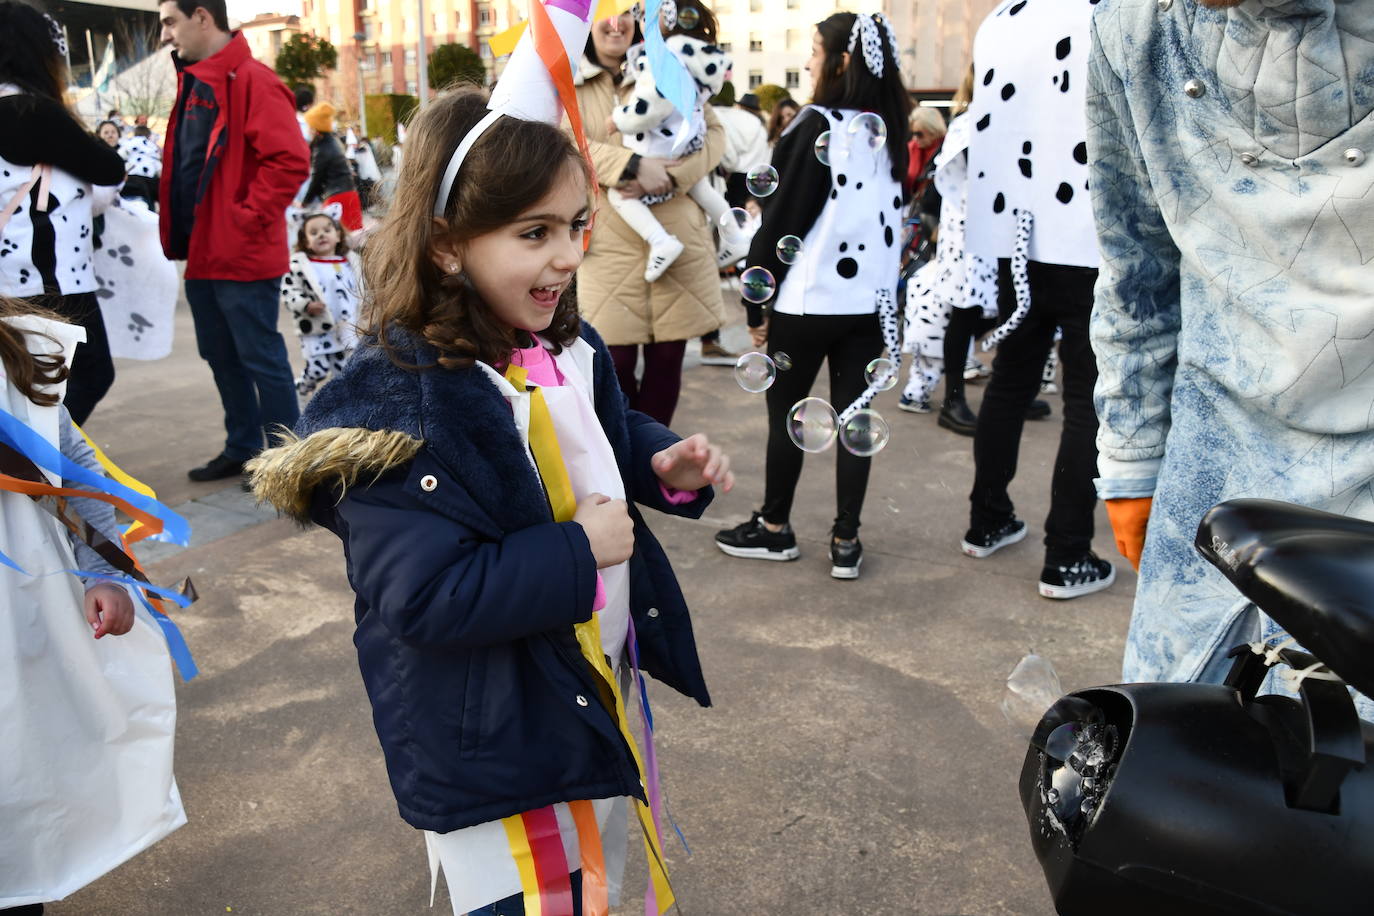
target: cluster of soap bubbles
<point>814,426</point>
<point>866,128</point>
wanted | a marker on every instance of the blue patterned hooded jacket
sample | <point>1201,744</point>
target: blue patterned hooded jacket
<point>1232,157</point>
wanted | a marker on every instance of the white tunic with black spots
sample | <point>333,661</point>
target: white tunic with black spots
<point>141,156</point>
<point>852,251</point>
<point>1028,148</point>
<point>69,212</point>
<point>336,283</point>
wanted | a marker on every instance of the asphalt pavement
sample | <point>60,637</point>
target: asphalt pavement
<point>855,760</point>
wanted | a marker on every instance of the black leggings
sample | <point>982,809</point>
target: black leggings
<point>92,369</point>
<point>848,343</point>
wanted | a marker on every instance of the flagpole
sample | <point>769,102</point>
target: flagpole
<point>90,56</point>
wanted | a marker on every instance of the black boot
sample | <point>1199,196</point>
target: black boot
<point>955,416</point>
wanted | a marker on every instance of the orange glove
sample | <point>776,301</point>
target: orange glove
<point>1129,518</point>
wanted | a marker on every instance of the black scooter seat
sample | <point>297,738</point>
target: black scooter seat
<point>1312,571</point>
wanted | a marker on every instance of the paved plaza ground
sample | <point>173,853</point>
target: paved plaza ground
<point>855,760</point>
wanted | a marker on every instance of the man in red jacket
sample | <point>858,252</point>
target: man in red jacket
<point>233,161</point>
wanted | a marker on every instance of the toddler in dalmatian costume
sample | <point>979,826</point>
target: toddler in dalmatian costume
<point>322,292</point>
<point>651,127</point>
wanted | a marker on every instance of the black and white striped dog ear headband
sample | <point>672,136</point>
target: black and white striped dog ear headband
<point>865,33</point>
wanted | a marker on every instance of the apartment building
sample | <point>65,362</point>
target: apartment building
<point>770,40</point>
<point>379,40</point>
<point>267,32</point>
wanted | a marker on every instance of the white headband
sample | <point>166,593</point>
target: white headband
<point>455,162</point>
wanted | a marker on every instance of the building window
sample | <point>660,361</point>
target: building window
<point>334,35</point>
<point>755,79</point>
<point>756,6</point>
<point>367,30</point>
<point>386,58</point>
<point>725,46</point>
<point>793,4</point>
<point>486,51</point>
<point>410,56</point>
<point>387,88</point>
<point>724,8</point>
<point>485,16</point>
<point>792,79</point>
<point>439,22</point>
<point>755,42</point>
<point>412,88</point>
<point>789,40</point>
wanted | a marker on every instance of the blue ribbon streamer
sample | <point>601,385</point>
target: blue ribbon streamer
<point>41,452</point>
<point>670,76</point>
<point>632,644</point>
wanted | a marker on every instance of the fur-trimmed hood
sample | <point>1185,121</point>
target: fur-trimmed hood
<point>376,417</point>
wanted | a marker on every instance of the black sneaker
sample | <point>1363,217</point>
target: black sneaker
<point>980,542</point>
<point>217,468</point>
<point>1089,573</point>
<point>845,558</point>
<point>754,541</point>
<point>1038,410</point>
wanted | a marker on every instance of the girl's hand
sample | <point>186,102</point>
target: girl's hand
<point>759,336</point>
<point>315,308</point>
<point>109,610</point>
<point>693,463</point>
<point>608,527</point>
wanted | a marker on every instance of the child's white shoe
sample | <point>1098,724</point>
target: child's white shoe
<point>662,253</point>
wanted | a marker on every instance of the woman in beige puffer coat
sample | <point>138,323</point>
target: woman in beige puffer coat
<point>630,313</point>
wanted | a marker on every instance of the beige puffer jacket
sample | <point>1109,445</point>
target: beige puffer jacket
<point>611,291</point>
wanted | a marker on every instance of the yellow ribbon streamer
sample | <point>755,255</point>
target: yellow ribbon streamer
<point>548,458</point>
<point>123,477</point>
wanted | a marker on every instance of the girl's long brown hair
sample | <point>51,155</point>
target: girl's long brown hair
<point>513,166</point>
<point>26,370</point>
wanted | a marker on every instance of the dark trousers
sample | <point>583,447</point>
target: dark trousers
<point>847,343</point>
<point>141,187</point>
<point>514,905</point>
<point>92,370</point>
<point>1061,297</point>
<point>236,333</point>
<point>965,325</point>
<point>656,391</point>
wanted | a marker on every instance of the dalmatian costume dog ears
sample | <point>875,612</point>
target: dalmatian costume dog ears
<point>865,32</point>
<point>59,37</point>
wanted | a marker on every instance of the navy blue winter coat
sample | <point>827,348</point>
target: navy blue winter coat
<point>467,590</point>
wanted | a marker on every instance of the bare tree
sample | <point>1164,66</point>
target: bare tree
<point>147,85</point>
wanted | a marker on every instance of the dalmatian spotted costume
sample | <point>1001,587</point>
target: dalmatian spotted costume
<point>650,126</point>
<point>143,163</point>
<point>953,279</point>
<point>327,339</point>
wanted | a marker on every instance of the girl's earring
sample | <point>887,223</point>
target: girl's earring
<point>453,267</point>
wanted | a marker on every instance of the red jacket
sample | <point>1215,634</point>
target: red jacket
<point>255,163</point>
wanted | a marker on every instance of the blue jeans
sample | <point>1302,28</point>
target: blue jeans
<point>236,333</point>
<point>514,905</point>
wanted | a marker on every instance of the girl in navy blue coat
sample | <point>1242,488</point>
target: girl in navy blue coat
<point>477,460</point>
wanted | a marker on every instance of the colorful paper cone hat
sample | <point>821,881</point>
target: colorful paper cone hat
<point>537,84</point>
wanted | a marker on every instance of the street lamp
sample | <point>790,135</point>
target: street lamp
<point>359,38</point>
<point>422,64</point>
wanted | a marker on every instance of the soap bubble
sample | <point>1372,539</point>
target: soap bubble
<point>869,128</point>
<point>881,374</point>
<point>761,180</point>
<point>865,434</point>
<point>789,249</point>
<point>782,361</point>
<point>733,223</point>
<point>812,425</point>
<point>1032,687</point>
<point>688,17</point>
<point>757,285</point>
<point>823,148</point>
<point>755,372</point>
